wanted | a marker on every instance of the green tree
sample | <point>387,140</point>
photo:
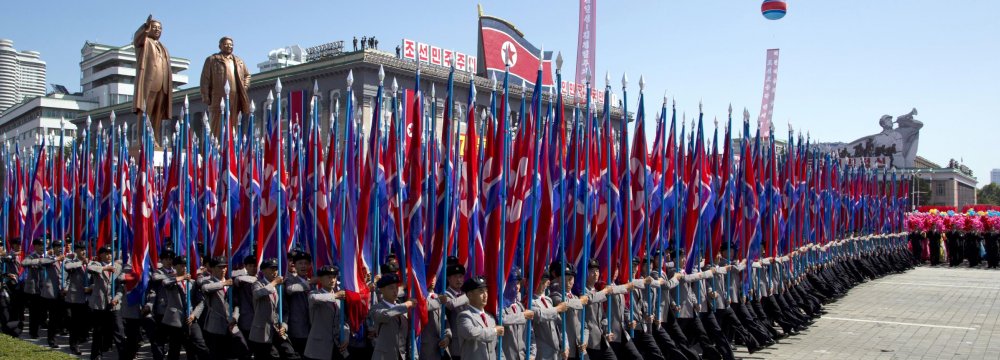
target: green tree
<point>989,194</point>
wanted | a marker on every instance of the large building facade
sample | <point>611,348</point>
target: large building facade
<point>107,73</point>
<point>995,176</point>
<point>953,185</point>
<point>46,116</point>
<point>330,74</point>
<point>22,75</point>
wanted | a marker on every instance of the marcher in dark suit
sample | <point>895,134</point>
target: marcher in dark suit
<point>476,329</point>
<point>268,336</point>
<point>391,320</point>
<point>329,332</point>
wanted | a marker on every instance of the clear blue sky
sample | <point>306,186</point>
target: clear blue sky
<point>843,63</point>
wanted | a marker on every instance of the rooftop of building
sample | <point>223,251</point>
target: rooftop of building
<point>367,58</point>
<point>54,100</point>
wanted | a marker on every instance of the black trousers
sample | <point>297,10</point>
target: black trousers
<point>626,350</point>
<point>37,313</point>
<point>106,332</point>
<point>79,315</point>
<point>55,310</point>
<point>759,333</point>
<point>218,345</point>
<point>278,349</point>
<point>916,247</point>
<point>604,352</point>
<point>299,344</point>
<point>365,352</point>
<point>694,329</point>
<point>714,332</point>
<point>935,244</point>
<point>733,328</point>
<point>668,347</point>
<point>646,343</point>
<point>12,311</point>
<point>188,336</point>
<point>133,337</point>
<point>992,250</point>
<point>158,340</point>
<point>972,249</point>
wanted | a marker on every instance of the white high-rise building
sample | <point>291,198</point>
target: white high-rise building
<point>995,176</point>
<point>107,73</point>
<point>283,57</point>
<point>22,75</point>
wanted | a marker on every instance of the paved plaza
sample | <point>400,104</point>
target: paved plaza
<point>925,313</point>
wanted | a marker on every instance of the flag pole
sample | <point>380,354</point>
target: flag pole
<point>343,182</point>
<point>280,243</point>
<point>314,149</point>
<point>627,192</point>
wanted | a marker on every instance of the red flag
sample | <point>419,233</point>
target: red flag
<point>469,233</point>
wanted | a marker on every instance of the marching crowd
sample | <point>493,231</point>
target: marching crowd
<point>954,238</point>
<point>253,311</point>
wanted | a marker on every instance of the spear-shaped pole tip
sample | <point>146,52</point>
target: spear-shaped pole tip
<point>624,80</point>
<point>730,109</point>
<point>204,120</point>
<point>253,106</point>
<point>270,97</point>
<point>524,86</point>
<point>88,120</point>
<point>642,83</point>
<point>746,115</point>
<point>336,107</point>
<point>493,81</point>
<point>607,79</point>
<point>433,90</point>
<point>381,74</point>
<point>226,87</point>
<point>395,85</point>
<point>315,87</point>
<point>559,62</point>
<point>350,78</point>
<point>277,86</point>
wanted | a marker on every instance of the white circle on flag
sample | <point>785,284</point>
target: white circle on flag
<point>508,53</point>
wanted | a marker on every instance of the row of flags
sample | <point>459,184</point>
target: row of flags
<point>551,184</point>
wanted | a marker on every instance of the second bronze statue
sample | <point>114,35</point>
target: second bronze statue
<point>222,68</point>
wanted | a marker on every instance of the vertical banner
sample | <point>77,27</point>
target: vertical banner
<point>423,52</point>
<point>409,49</point>
<point>460,61</point>
<point>447,55</point>
<point>767,103</point>
<point>435,55</point>
<point>586,40</point>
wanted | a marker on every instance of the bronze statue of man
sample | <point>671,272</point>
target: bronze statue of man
<point>153,78</point>
<point>221,68</point>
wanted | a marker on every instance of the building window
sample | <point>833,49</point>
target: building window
<point>939,189</point>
